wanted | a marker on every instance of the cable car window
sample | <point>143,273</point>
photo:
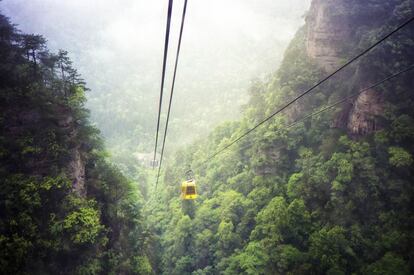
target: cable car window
<point>190,190</point>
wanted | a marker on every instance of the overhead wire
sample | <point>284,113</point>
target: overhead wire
<point>352,60</point>
<point>329,107</point>
<point>172,90</point>
<point>164,65</point>
<point>351,96</point>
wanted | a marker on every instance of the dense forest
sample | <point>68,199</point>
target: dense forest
<point>331,195</point>
<point>64,208</point>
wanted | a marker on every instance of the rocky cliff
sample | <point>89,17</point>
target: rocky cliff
<point>327,32</point>
<point>335,31</point>
<point>35,121</point>
<point>76,164</point>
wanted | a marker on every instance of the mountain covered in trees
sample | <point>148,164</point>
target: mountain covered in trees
<point>331,195</point>
<point>64,209</point>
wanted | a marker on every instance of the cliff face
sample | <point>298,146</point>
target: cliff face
<point>362,117</point>
<point>76,169</point>
<point>46,128</point>
<point>327,33</point>
<point>332,36</point>
<point>76,165</point>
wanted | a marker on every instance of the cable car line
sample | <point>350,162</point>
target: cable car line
<point>351,96</point>
<point>164,65</point>
<point>364,52</point>
<point>329,107</point>
<point>172,89</point>
<point>184,192</point>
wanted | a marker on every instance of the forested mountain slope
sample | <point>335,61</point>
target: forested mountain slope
<point>63,208</point>
<point>332,195</point>
<point>118,46</point>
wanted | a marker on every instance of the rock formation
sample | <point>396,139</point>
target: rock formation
<point>329,33</point>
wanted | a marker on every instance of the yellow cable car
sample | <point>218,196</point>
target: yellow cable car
<point>188,187</point>
<point>188,190</point>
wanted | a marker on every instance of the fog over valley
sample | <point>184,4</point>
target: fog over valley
<point>117,47</point>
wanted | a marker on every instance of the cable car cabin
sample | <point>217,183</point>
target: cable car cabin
<point>188,190</point>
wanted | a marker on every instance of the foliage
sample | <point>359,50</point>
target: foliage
<point>64,209</point>
<point>399,157</point>
<point>312,199</point>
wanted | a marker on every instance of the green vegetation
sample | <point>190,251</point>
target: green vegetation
<point>313,199</point>
<point>64,209</point>
<point>317,198</point>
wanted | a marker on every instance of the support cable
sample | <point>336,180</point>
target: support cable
<point>164,65</point>
<point>172,90</point>
<point>364,52</point>
<point>329,107</point>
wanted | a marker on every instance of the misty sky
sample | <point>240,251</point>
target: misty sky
<point>117,46</point>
